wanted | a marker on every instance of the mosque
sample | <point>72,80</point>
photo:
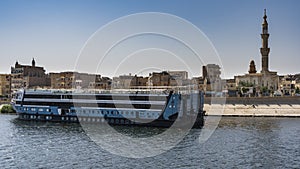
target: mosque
<point>265,79</point>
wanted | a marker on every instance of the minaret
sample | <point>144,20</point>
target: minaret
<point>33,62</point>
<point>252,68</point>
<point>265,50</point>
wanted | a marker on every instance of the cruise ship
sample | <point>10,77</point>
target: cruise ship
<point>135,107</point>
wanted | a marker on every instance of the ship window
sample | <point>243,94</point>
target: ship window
<point>132,113</point>
<point>41,110</point>
<point>83,111</point>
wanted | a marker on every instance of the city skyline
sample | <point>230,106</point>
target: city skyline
<point>53,32</point>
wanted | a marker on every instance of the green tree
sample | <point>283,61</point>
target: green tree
<point>245,90</point>
<point>297,90</point>
<point>7,109</point>
<point>245,84</point>
<point>264,89</point>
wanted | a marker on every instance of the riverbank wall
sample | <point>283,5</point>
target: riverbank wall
<point>253,107</point>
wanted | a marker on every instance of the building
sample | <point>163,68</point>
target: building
<point>199,82</point>
<point>76,80</point>
<point>212,74</point>
<point>138,81</point>
<point>129,82</point>
<point>230,87</point>
<point>101,83</point>
<point>161,79</point>
<point>5,86</point>
<point>169,78</point>
<point>265,81</point>
<point>63,80</point>
<point>122,82</point>
<point>28,76</point>
<point>178,78</point>
<point>288,84</point>
<point>297,85</point>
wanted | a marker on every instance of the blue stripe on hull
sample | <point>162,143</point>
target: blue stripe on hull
<point>111,121</point>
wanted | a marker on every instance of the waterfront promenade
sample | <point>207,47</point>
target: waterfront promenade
<point>253,106</point>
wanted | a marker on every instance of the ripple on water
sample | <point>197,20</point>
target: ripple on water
<point>236,143</point>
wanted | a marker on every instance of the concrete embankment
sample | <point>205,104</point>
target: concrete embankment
<point>262,106</point>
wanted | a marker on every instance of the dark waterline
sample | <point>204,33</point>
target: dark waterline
<point>237,143</point>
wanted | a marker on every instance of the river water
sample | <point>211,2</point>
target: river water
<point>236,143</point>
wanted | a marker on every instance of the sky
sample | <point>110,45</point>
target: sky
<point>55,32</point>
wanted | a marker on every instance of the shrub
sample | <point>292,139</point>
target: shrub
<point>297,90</point>
<point>7,109</point>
